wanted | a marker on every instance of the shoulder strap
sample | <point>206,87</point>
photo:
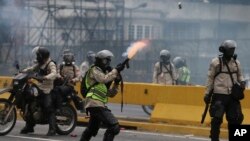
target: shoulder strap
<point>230,73</point>
<point>46,67</point>
<point>160,69</point>
<point>60,69</point>
<point>220,66</point>
<point>74,70</point>
<point>170,71</point>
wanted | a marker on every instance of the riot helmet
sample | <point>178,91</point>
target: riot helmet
<point>91,57</point>
<point>178,62</point>
<point>68,58</point>
<point>103,58</point>
<point>165,56</point>
<point>42,54</point>
<point>66,51</point>
<point>227,48</point>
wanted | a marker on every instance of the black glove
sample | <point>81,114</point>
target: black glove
<point>120,67</point>
<point>117,80</point>
<point>206,98</point>
<point>243,84</point>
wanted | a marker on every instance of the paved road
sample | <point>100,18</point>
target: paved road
<point>129,111</point>
<point>125,135</point>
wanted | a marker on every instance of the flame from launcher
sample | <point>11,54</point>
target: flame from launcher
<point>135,47</point>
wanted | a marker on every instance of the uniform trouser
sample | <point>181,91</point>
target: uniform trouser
<point>60,92</point>
<point>100,115</point>
<point>48,111</point>
<point>221,104</point>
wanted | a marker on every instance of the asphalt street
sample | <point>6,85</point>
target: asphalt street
<point>125,135</point>
<point>129,111</point>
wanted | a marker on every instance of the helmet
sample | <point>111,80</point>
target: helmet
<point>227,45</point>
<point>91,56</point>
<point>103,58</point>
<point>68,58</point>
<point>42,54</point>
<point>165,56</point>
<point>66,51</point>
<point>178,62</point>
<point>104,54</point>
<point>227,48</point>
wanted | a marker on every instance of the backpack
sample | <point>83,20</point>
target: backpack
<point>83,88</point>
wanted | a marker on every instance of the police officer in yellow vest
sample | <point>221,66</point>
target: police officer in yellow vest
<point>98,78</point>
<point>220,84</point>
<point>182,71</point>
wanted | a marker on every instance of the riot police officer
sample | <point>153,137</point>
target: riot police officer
<point>68,74</point>
<point>98,80</point>
<point>219,83</point>
<point>86,64</point>
<point>164,71</point>
<point>45,68</point>
<point>182,71</point>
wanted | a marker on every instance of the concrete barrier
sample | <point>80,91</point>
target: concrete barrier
<point>182,105</point>
<point>172,103</point>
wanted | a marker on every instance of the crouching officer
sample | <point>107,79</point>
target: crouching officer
<point>97,79</point>
<point>45,68</point>
<point>220,83</point>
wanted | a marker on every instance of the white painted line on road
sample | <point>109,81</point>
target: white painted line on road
<point>32,138</point>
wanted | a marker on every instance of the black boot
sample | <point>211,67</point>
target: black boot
<point>86,136</point>
<point>51,132</point>
<point>108,137</point>
<point>52,125</point>
<point>27,129</point>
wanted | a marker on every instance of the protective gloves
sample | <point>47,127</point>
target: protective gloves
<point>120,67</point>
<point>117,80</point>
<point>206,98</point>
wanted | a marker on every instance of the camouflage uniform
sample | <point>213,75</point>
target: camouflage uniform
<point>165,74</point>
<point>219,80</point>
<point>47,85</point>
<point>71,71</point>
<point>99,113</point>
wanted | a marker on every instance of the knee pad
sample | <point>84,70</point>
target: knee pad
<point>216,121</point>
<point>92,131</point>
<point>217,110</point>
<point>238,119</point>
<point>115,129</point>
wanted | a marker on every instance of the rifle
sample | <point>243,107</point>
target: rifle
<point>126,63</point>
<point>206,107</point>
